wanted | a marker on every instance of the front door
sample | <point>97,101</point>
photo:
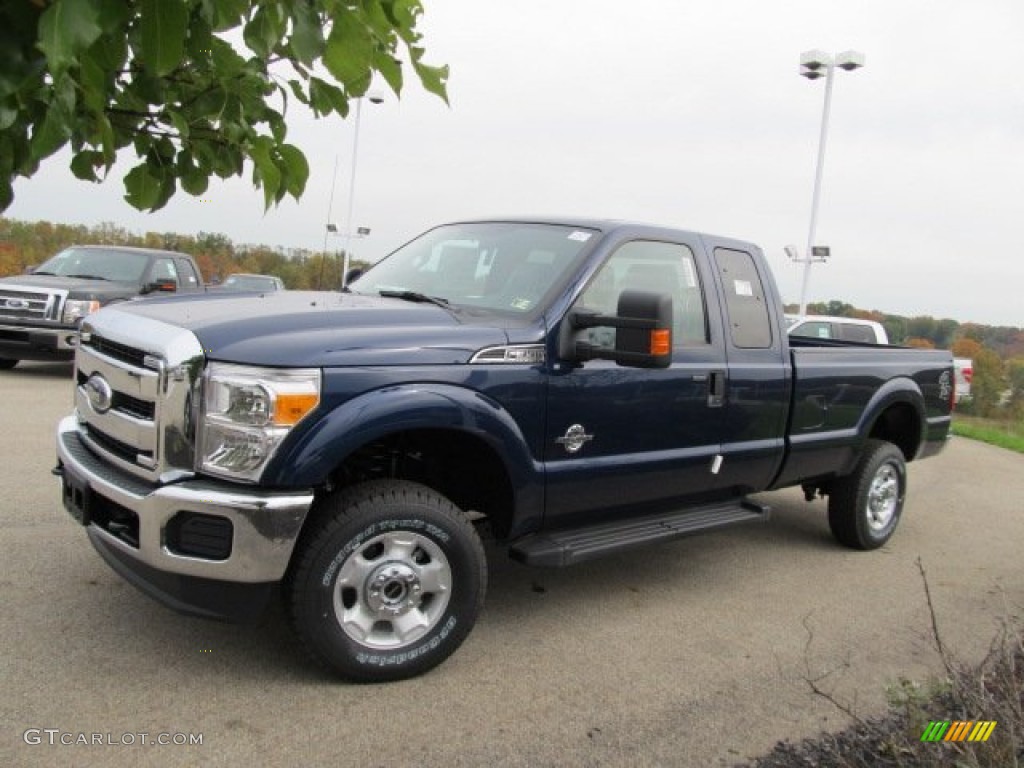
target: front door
<point>634,437</point>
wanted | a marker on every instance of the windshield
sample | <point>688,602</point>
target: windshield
<point>97,263</point>
<point>498,266</point>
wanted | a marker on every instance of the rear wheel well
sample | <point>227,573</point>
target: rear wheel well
<point>460,466</point>
<point>900,425</point>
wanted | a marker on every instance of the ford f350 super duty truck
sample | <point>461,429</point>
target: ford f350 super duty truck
<point>573,388</point>
<point>40,312</point>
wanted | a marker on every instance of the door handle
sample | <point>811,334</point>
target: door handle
<point>716,389</point>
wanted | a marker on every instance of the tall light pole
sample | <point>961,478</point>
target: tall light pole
<point>815,64</point>
<point>349,228</point>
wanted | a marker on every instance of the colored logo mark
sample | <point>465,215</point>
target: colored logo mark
<point>958,730</point>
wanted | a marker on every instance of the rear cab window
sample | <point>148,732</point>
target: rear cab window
<point>749,323</point>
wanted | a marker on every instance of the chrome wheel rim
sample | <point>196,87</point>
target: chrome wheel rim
<point>883,497</point>
<point>392,590</point>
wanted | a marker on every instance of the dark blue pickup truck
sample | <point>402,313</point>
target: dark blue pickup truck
<point>569,388</point>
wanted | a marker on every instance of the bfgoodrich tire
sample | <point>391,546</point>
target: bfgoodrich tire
<point>387,583</point>
<point>864,507</point>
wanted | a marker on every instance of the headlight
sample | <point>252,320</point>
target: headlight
<point>76,309</point>
<point>248,411</point>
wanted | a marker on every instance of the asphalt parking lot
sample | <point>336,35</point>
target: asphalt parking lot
<point>692,653</point>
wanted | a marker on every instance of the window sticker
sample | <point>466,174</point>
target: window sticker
<point>522,304</point>
<point>743,287</point>
<point>580,237</point>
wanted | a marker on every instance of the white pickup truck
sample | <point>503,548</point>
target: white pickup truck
<point>963,368</point>
<point>842,328</point>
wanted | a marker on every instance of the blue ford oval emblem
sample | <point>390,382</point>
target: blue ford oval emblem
<point>100,395</point>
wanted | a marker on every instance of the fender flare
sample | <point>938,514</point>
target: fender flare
<point>308,460</point>
<point>899,391</point>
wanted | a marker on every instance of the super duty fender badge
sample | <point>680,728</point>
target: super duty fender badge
<point>574,438</point>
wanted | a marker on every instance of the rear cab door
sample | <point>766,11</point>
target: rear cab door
<point>754,414</point>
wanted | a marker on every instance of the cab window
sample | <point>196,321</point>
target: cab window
<point>656,267</point>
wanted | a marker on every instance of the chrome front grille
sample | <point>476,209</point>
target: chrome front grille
<point>30,303</point>
<point>137,380</point>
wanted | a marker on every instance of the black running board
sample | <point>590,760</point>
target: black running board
<point>574,545</point>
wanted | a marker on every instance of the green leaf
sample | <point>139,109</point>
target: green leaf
<point>6,193</point>
<point>193,180</point>
<point>390,69</point>
<point>92,78</point>
<point>224,14</point>
<point>66,28</point>
<point>56,127</point>
<point>85,163</point>
<point>226,60</point>
<point>348,53</point>
<point>265,172</point>
<point>298,91</point>
<point>278,127</point>
<point>163,24</point>
<point>143,188</point>
<point>297,169</point>
<point>434,79</point>
<point>326,98</point>
<point>265,30</point>
<point>7,116</point>
<point>307,40</point>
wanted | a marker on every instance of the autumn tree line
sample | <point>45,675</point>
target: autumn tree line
<point>997,351</point>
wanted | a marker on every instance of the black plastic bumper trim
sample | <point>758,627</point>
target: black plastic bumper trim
<point>190,595</point>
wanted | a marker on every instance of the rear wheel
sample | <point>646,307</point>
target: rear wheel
<point>864,507</point>
<point>6,364</point>
<point>388,582</point>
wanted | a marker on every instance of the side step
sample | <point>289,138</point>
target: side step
<point>574,545</point>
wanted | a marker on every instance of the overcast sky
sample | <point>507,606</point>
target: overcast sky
<point>688,114</point>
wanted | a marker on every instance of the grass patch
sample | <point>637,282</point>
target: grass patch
<point>1005,434</point>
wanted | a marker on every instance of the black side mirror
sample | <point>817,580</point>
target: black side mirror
<point>643,332</point>
<point>164,285</point>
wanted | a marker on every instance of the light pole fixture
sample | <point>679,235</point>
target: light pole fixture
<point>815,64</point>
<point>349,233</point>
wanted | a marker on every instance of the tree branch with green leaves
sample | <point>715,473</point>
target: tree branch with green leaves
<point>163,79</point>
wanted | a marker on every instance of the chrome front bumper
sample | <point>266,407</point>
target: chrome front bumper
<point>264,524</point>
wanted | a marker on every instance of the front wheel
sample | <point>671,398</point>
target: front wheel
<point>6,363</point>
<point>387,583</point>
<point>864,507</point>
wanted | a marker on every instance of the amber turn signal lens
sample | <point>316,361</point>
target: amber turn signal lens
<point>661,341</point>
<point>291,407</point>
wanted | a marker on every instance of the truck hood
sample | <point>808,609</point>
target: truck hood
<point>77,288</point>
<point>317,329</point>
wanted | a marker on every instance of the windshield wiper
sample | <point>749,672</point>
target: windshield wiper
<point>415,296</point>
<point>90,277</point>
<point>39,272</point>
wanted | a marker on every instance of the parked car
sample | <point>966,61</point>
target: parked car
<point>40,311</point>
<point>247,282</point>
<point>841,328</point>
<point>571,388</point>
